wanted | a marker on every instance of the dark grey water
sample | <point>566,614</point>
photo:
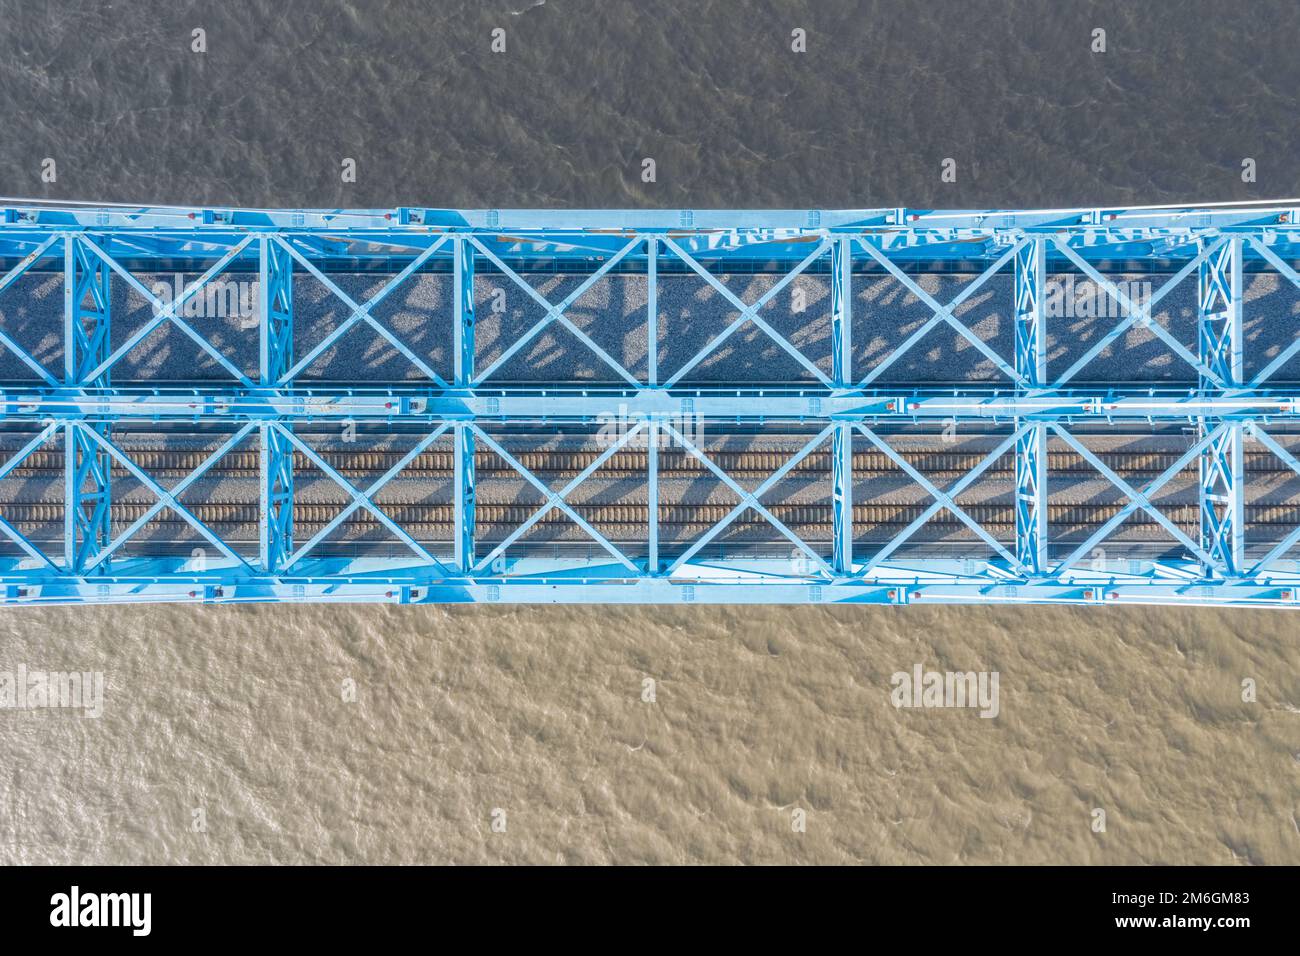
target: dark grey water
<point>238,714</point>
<point>711,90</point>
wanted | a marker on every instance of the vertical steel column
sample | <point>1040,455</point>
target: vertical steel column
<point>463,463</point>
<point>842,498</point>
<point>275,350</point>
<point>464,326</point>
<point>276,522</point>
<point>87,308</point>
<point>1219,297</point>
<point>652,311</point>
<point>1031,362</point>
<point>275,343</point>
<point>652,496</point>
<point>652,429</point>
<point>463,435</point>
<point>842,373</point>
<point>842,312</point>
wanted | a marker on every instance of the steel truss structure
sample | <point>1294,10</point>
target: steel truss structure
<point>82,410</point>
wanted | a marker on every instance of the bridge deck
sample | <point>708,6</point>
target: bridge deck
<point>882,406</point>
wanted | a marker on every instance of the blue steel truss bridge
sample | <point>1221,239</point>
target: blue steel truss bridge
<point>883,406</point>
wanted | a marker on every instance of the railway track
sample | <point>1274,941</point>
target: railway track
<point>620,521</point>
<point>436,520</point>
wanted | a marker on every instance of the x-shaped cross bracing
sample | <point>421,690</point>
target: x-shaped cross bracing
<point>361,313</point>
<point>165,498</point>
<point>749,499</point>
<point>554,312</point>
<point>748,313</point>
<point>1137,498</point>
<point>1288,353</point>
<point>9,279</point>
<point>166,311</point>
<point>942,499</point>
<point>14,461</point>
<point>1135,313</point>
<point>1288,459</point>
<point>942,313</point>
<point>363,499</point>
<point>168,499</point>
<point>555,499</point>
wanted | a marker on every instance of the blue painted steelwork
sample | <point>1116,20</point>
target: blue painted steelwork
<point>1031,363</point>
<point>275,356</point>
<point>84,412</point>
<point>87,464</point>
<point>1219,308</point>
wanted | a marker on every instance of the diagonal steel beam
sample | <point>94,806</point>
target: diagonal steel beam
<point>555,313</point>
<point>946,499</point>
<point>555,499</point>
<point>366,498</point>
<point>942,313</point>
<point>1137,499</point>
<point>361,313</point>
<point>359,497</point>
<point>749,499</point>
<point>748,313</point>
<point>1138,313</point>
<point>20,456</point>
<point>167,312</point>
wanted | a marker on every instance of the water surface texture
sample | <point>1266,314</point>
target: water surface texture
<point>229,734</point>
